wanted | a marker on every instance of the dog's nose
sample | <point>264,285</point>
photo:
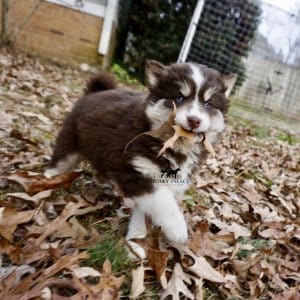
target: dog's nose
<point>194,122</point>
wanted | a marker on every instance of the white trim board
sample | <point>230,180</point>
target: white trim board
<point>110,16</point>
<point>94,9</point>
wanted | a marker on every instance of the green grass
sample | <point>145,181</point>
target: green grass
<point>261,132</point>
<point>123,76</point>
<point>288,138</point>
<point>240,110</point>
<point>196,198</point>
<point>256,243</point>
<point>257,176</point>
<point>112,248</point>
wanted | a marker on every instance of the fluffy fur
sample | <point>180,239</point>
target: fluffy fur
<point>106,118</point>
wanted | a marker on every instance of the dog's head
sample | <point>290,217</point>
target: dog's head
<point>200,94</point>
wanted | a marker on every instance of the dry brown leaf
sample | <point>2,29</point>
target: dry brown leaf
<point>199,266</point>
<point>256,288</point>
<point>200,183</point>
<point>10,218</point>
<point>157,259</point>
<point>291,294</point>
<point>18,135</point>
<point>201,244</point>
<point>242,267</point>
<point>13,252</point>
<point>71,209</point>
<point>32,285</point>
<point>35,198</point>
<point>81,272</point>
<point>38,183</point>
<point>199,293</point>
<point>209,147</point>
<point>163,133</point>
<point>109,286</point>
<point>19,272</point>
<point>237,229</point>
<point>137,284</point>
<point>177,285</point>
<point>168,131</point>
<point>178,132</point>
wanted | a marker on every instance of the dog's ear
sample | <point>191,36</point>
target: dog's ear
<point>154,70</point>
<point>229,82</point>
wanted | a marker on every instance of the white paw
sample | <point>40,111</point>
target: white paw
<point>175,229</point>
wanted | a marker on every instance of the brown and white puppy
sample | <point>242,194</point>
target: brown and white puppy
<point>106,118</point>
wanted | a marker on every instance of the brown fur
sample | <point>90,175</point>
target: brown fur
<point>106,118</point>
<point>99,127</point>
<point>168,88</point>
<point>100,82</point>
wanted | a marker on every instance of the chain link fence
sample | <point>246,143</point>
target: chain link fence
<point>256,40</point>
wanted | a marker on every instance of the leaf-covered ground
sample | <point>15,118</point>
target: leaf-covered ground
<point>62,238</point>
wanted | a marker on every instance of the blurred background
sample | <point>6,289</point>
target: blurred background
<point>259,40</point>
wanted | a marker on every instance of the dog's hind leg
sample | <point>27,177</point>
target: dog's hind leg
<point>66,155</point>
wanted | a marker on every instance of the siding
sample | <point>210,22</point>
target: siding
<point>56,31</point>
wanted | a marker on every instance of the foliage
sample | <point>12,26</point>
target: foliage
<point>224,35</point>
<point>156,30</point>
<point>124,76</point>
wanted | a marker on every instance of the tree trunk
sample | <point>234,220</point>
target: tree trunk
<point>4,20</point>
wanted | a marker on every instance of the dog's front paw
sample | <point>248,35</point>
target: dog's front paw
<point>175,229</point>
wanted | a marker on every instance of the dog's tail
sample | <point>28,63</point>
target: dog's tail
<point>101,81</point>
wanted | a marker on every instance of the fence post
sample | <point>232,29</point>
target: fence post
<point>190,32</point>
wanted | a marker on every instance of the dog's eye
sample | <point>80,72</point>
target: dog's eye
<point>179,99</point>
<point>208,103</point>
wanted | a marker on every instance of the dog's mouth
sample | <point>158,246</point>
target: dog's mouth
<point>191,130</point>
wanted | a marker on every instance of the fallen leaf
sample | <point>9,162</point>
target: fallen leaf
<point>18,271</point>
<point>177,285</point>
<point>36,198</point>
<point>199,266</point>
<point>137,284</point>
<point>28,287</point>
<point>109,285</point>
<point>208,146</point>
<point>157,259</point>
<point>10,219</point>
<point>201,244</point>
<point>71,209</point>
<point>38,183</point>
<point>18,135</point>
<point>291,294</point>
<point>81,272</point>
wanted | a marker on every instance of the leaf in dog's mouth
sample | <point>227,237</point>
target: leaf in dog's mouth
<point>179,132</point>
<point>175,131</point>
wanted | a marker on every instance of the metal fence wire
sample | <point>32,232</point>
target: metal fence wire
<point>256,40</point>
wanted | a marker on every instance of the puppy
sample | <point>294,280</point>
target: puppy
<point>106,118</point>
